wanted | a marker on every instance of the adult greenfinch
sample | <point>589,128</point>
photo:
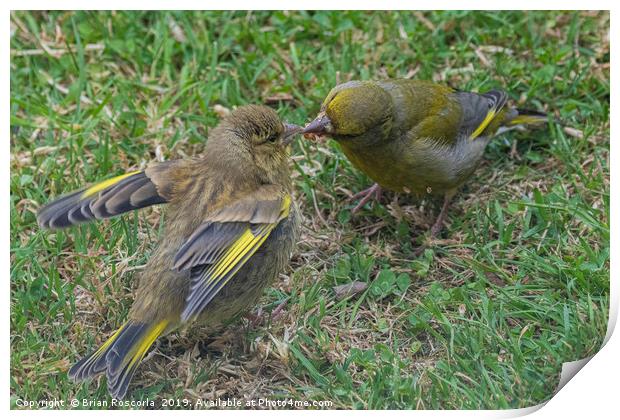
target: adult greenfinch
<point>415,136</point>
<point>230,229</point>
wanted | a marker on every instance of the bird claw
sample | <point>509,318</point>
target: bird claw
<point>278,312</point>
<point>419,250</point>
<point>437,226</point>
<point>255,319</point>
<point>366,195</point>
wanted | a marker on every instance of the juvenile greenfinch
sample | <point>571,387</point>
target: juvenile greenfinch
<point>415,136</point>
<point>230,230</point>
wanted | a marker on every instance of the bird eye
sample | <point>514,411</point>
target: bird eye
<point>272,138</point>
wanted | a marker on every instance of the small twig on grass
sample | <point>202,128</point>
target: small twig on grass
<point>56,53</point>
<point>573,132</point>
<point>350,289</point>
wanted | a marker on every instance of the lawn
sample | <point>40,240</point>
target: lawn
<point>517,284</point>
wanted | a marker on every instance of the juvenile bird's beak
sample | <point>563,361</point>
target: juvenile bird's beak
<point>290,130</point>
<point>321,125</point>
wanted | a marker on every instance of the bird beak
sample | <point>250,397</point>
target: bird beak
<point>321,125</point>
<point>290,130</point>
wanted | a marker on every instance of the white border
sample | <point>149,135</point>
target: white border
<point>593,391</point>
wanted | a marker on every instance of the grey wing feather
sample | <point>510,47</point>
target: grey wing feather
<point>74,208</point>
<point>475,107</point>
<point>209,254</point>
<point>207,244</point>
<point>138,190</point>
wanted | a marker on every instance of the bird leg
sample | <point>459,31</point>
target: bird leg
<point>256,318</point>
<point>366,195</point>
<point>278,312</point>
<point>438,225</point>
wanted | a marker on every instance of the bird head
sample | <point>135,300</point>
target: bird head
<point>353,111</point>
<point>254,134</point>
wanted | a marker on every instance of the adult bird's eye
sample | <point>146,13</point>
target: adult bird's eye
<point>272,138</point>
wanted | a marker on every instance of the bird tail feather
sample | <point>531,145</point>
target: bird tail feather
<point>119,356</point>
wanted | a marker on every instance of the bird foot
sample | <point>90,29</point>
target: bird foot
<point>434,233</point>
<point>278,312</point>
<point>366,195</point>
<point>437,226</point>
<point>419,250</point>
<point>256,318</point>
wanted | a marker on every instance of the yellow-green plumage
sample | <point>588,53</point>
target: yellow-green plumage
<point>410,135</point>
<point>230,229</point>
<point>414,136</point>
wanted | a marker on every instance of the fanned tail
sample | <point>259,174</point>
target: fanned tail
<point>103,200</point>
<point>119,356</point>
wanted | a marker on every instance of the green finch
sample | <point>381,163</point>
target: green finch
<point>230,229</point>
<point>415,136</point>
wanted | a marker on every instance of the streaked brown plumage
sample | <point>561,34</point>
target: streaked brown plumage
<point>230,229</point>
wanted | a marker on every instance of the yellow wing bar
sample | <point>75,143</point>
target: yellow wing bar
<point>107,183</point>
<point>214,278</point>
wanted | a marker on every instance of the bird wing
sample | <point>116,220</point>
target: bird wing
<point>220,246</point>
<point>480,111</point>
<point>123,193</point>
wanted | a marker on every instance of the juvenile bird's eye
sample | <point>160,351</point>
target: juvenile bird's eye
<point>273,137</point>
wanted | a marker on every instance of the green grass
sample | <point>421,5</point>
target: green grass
<point>518,284</point>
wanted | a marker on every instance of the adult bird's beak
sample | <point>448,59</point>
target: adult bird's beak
<point>321,125</point>
<point>290,130</point>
